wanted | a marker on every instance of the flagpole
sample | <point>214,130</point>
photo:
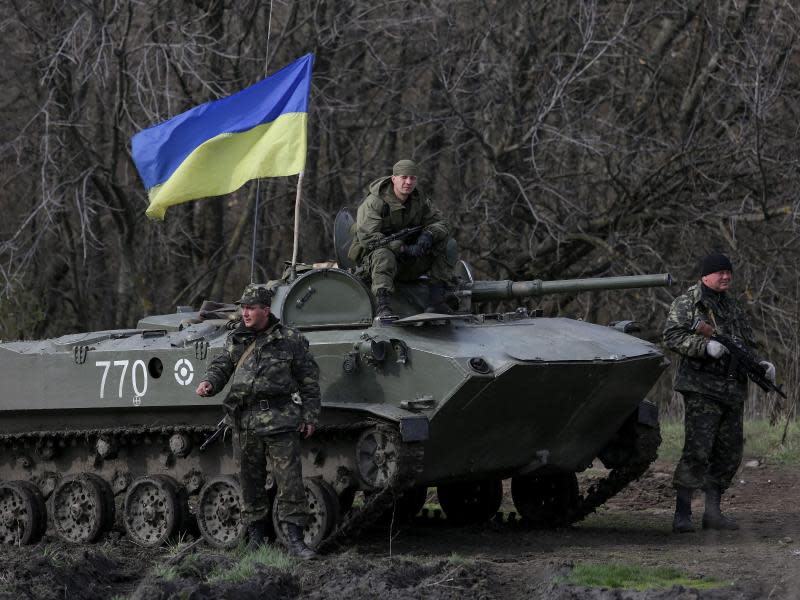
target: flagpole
<point>296,224</point>
<point>255,232</point>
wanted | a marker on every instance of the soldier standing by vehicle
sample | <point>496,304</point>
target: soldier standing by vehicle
<point>274,398</point>
<point>713,391</point>
<point>394,203</point>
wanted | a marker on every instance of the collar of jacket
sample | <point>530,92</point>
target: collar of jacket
<point>273,329</point>
<point>700,298</point>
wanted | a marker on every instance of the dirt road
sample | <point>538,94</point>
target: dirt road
<point>430,559</point>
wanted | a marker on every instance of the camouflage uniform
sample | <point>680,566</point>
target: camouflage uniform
<point>382,214</point>
<point>713,397</point>
<point>267,416</point>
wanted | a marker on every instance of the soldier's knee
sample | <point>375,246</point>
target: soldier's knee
<point>383,257</point>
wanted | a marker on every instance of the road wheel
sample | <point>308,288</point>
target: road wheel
<point>377,457</point>
<point>219,512</point>
<point>154,510</point>
<point>23,515</point>
<point>82,508</point>
<point>323,508</point>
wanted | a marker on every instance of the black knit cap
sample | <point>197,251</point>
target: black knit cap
<point>713,263</point>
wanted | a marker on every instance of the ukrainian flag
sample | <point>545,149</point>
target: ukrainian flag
<point>214,148</point>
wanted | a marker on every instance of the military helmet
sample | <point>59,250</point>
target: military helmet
<point>255,294</point>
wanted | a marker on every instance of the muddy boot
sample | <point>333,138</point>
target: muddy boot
<point>256,535</point>
<point>436,303</point>
<point>384,312</point>
<point>295,543</point>
<point>682,522</point>
<point>713,517</point>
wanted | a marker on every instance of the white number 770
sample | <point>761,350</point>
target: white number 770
<point>139,364</point>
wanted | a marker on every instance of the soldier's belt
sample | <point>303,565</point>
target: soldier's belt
<point>269,403</point>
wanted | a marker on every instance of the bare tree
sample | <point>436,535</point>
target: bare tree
<point>565,139</point>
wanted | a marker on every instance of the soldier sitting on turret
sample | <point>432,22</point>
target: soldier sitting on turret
<point>394,203</point>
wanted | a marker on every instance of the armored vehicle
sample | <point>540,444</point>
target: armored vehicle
<point>105,427</point>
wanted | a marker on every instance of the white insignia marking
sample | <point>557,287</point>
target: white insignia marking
<point>184,371</point>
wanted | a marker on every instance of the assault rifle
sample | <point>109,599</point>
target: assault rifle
<point>221,428</point>
<point>400,235</point>
<point>742,360</point>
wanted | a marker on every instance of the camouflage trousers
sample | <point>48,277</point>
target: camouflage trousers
<point>384,267</point>
<point>281,452</point>
<point>712,449</point>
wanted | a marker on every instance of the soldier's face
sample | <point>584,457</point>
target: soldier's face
<point>255,316</point>
<point>719,281</point>
<point>403,185</point>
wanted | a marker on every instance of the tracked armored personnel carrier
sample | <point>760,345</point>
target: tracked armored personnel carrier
<point>105,426</point>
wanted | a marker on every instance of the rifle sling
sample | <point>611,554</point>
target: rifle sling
<point>248,351</point>
<point>244,356</point>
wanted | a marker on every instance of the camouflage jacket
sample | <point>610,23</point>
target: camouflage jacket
<point>698,372</point>
<point>382,214</point>
<point>279,365</point>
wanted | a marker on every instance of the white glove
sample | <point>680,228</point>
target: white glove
<point>770,370</point>
<point>715,350</point>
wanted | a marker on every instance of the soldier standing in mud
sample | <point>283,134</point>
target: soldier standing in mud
<point>713,394</point>
<point>394,203</point>
<point>273,400</point>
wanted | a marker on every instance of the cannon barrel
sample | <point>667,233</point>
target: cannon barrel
<point>507,290</point>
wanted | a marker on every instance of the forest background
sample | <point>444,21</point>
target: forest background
<point>561,139</point>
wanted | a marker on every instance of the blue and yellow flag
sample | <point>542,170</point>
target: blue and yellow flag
<point>216,147</point>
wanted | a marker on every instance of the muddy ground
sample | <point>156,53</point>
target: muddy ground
<point>430,559</point>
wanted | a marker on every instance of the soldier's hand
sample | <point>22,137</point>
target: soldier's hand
<point>204,389</point>
<point>769,370</point>
<point>715,350</point>
<point>425,242</point>
<point>704,329</point>
<point>307,429</point>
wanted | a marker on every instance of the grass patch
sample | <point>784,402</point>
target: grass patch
<point>636,577</point>
<point>249,561</point>
<point>176,545</point>
<point>54,554</point>
<point>456,559</point>
<point>761,441</point>
<point>167,573</point>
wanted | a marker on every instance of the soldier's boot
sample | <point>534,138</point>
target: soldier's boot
<point>682,521</point>
<point>436,302</point>
<point>295,543</point>
<point>713,517</point>
<point>256,535</point>
<point>384,312</point>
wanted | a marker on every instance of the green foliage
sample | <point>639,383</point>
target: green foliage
<point>176,545</point>
<point>762,441</point>
<point>249,561</point>
<point>456,559</point>
<point>168,573</point>
<point>671,441</point>
<point>765,442</point>
<point>635,577</point>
